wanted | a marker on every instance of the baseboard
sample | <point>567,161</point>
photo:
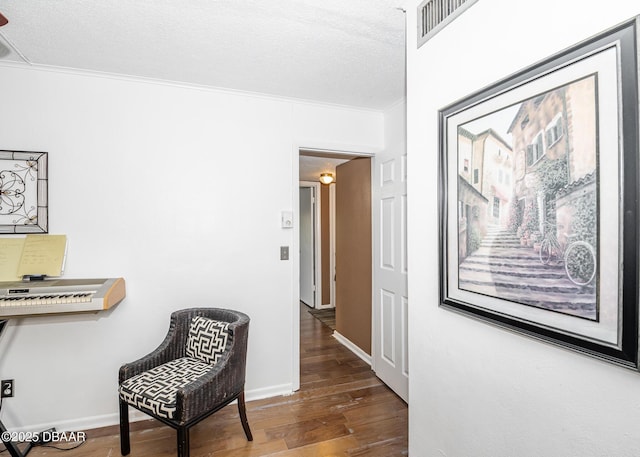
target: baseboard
<point>85,423</point>
<point>326,306</point>
<point>352,347</point>
<point>107,420</point>
<point>268,392</point>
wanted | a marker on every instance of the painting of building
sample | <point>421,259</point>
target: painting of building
<point>554,139</point>
<point>539,180</point>
<point>485,165</point>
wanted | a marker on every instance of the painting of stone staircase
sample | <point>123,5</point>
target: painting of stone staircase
<point>502,268</point>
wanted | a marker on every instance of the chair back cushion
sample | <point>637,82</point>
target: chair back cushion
<point>207,339</point>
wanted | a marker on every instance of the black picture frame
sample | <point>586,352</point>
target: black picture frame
<point>24,197</point>
<point>538,199</point>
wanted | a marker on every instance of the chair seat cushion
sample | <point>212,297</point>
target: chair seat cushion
<point>154,391</point>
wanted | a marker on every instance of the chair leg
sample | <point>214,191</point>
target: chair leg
<point>243,416</point>
<point>183,442</point>
<point>125,444</point>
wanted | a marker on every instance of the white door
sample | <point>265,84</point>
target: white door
<point>307,249</point>
<point>390,302</point>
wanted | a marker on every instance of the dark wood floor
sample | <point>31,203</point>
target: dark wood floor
<point>341,409</point>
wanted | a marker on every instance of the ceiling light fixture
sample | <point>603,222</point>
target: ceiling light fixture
<point>326,178</point>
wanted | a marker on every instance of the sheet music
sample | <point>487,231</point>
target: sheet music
<point>43,255</point>
<point>10,253</point>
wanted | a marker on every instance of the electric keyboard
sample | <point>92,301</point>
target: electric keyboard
<point>54,296</point>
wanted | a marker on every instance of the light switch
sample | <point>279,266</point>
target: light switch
<point>284,252</point>
<point>287,219</point>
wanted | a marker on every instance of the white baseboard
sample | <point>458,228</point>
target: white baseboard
<point>352,347</point>
<point>326,306</point>
<point>106,420</point>
<point>84,423</point>
<point>268,392</point>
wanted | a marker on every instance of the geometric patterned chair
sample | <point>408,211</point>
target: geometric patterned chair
<point>198,369</point>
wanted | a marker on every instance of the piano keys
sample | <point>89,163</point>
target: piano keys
<point>56,296</point>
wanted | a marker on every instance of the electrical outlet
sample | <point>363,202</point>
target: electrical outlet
<point>6,388</point>
<point>45,437</point>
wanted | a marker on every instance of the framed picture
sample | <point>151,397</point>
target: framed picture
<point>23,192</point>
<point>538,199</point>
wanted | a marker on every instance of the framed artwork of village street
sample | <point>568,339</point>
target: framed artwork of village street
<point>539,199</point>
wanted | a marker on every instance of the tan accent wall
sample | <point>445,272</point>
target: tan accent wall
<point>353,252</point>
<point>325,254</point>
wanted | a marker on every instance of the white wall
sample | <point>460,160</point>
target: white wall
<point>178,190</point>
<point>476,390</point>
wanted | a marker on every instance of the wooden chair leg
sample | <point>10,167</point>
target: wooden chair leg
<point>243,417</point>
<point>183,442</point>
<point>125,443</point>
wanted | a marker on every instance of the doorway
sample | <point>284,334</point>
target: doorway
<point>312,240</point>
<point>388,320</point>
<point>390,302</point>
<point>335,243</point>
<point>316,225</point>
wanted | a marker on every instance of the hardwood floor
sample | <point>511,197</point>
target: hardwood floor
<point>341,409</point>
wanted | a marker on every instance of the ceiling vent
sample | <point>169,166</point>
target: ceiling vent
<point>434,15</point>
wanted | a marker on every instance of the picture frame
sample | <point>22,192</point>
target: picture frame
<point>24,206</point>
<point>538,210</point>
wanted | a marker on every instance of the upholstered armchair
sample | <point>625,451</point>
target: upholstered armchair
<point>198,369</point>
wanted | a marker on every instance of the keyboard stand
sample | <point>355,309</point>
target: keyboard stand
<point>12,447</point>
<point>100,294</point>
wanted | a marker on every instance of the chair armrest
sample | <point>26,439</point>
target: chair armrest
<point>168,350</point>
<point>222,383</point>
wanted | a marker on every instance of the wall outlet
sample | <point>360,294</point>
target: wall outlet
<point>6,388</point>
<point>45,437</point>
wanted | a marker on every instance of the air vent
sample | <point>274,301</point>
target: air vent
<point>434,15</point>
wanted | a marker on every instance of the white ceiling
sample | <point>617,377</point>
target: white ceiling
<point>311,166</point>
<point>346,52</point>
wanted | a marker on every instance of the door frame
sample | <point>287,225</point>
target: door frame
<point>333,149</point>
<point>317,241</point>
<point>332,245</point>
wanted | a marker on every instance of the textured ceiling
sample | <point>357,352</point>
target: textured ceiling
<point>346,52</point>
<point>311,167</point>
